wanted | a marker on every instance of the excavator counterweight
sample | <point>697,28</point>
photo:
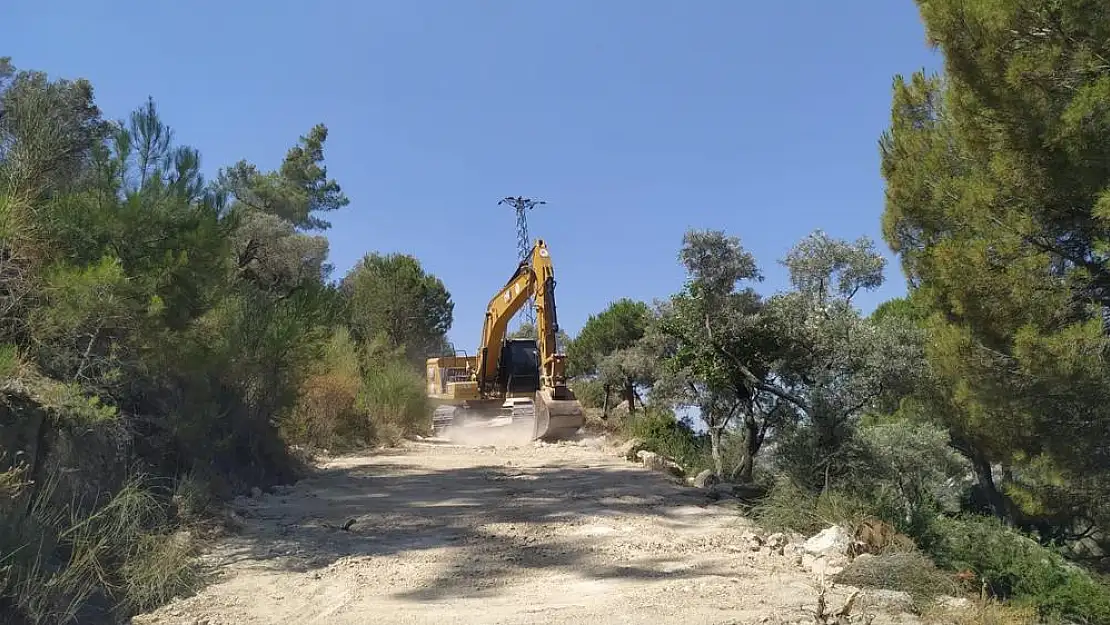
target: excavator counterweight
<point>511,380</point>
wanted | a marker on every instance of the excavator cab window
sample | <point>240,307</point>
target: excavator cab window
<point>520,366</point>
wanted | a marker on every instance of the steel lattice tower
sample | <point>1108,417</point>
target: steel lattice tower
<point>523,242</point>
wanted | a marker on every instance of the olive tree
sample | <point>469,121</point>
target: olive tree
<point>720,360</point>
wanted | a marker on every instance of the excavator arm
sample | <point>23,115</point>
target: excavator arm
<point>535,278</point>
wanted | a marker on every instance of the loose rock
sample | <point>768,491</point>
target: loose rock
<point>656,462</point>
<point>953,603</point>
<point>706,479</point>
<point>831,541</point>
<point>894,601</point>
<point>631,448</point>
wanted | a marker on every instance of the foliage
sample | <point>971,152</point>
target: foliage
<point>802,365</point>
<point>528,331</point>
<point>663,434</point>
<point>294,193</point>
<point>997,194</point>
<point>195,320</point>
<point>913,473</point>
<point>119,550</point>
<point>327,413</point>
<point>913,573</point>
<point>618,327</point>
<point>721,347</point>
<point>391,297</point>
<point>590,393</point>
<point>1012,565</point>
<point>394,398</point>
<point>790,507</point>
<point>183,326</point>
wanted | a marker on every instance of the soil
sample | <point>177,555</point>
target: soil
<point>485,528</point>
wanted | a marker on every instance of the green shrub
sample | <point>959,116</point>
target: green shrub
<point>902,472</point>
<point>909,473</point>
<point>663,434</point>
<point>9,361</point>
<point>789,507</point>
<point>327,413</point>
<point>394,397</point>
<point>62,559</point>
<point>1014,566</point>
<point>590,393</point>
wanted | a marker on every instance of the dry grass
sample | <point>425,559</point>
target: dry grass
<point>597,424</point>
<point>912,573</point>
<point>326,414</point>
<point>63,559</point>
<point>982,612</point>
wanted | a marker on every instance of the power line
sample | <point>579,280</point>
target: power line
<point>523,242</point>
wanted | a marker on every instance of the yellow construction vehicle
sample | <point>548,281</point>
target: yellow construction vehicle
<point>506,375</point>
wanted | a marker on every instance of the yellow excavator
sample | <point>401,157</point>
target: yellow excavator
<point>505,375</point>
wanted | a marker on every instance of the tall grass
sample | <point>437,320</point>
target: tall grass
<point>394,399</point>
<point>64,562</point>
<point>789,507</point>
<point>348,401</point>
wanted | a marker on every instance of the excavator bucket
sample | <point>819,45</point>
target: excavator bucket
<point>556,419</point>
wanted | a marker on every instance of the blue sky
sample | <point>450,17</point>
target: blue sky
<point>633,119</point>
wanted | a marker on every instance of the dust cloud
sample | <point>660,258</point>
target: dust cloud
<point>515,434</point>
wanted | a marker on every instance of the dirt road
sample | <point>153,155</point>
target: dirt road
<point>447,533</point>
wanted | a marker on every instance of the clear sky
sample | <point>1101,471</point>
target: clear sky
<point>633,119</point>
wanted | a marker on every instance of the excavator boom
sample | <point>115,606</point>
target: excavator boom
<point>508,372</point>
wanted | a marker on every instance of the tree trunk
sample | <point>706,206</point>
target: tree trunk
<point>752,444</point>
<point>630,396</point>
<point>715,448</point>
<point>605,404</point>
<point>995,498</point>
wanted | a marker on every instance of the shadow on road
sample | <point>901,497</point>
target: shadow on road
<point>484,523</point>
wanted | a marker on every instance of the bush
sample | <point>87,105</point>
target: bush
<point>590,393</point>
<point>912,467</point>
<point>327,413</point>
<point>358,395</point>
<point>663,434</point>
<point>63,562</point>
<point>789,507</point>
<point>903,472</point>
<point>393,396</point>
<point>1014,566</point>
<point>912,573</point>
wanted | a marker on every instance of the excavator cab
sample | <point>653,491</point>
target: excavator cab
<point>519,367</point>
